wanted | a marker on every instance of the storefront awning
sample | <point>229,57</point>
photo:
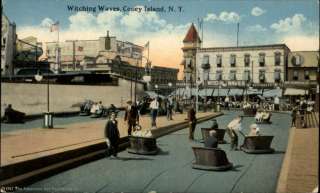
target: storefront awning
<point>272,93</point>
<point>153,94</point>
<point>254,92</point>
<point>295,92</point>
<point>220,92</point>
<point>236,92</point>
<point>206,92</point>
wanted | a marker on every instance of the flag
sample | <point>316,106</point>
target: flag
<point>54,27</point>
<point>147,45</point>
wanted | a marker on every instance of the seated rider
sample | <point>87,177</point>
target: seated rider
<point>214,124</point>
<point>258,116</point>
<point>99,110</point>
<point>87,106</point>
<point>94,108</point>
<point>254,130</point>
<point>265,115</point>
<point>211,141</point>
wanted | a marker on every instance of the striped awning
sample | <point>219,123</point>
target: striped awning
<point>236,92</point>
<point>295,92</point>
<point>206,92</point>
<point>272,93</point>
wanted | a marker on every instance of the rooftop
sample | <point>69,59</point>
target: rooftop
<point>239,48</point>
<point>192,35</point>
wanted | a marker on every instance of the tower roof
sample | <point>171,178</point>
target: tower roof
<point>192,35</point>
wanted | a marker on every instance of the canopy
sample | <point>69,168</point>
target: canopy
<point>294,91</point>
<point>208,92</point>
<point>254,91</point>
<point>272,93</point>
<point>236,92</point>
<point>153,94</point>
<point>221,92</point>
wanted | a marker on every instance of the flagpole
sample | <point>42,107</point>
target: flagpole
<point>58,47</point>
<point>148,50</point>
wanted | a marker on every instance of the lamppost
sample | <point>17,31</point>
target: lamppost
<point>135,84</point>
<point>48,117</point>
<point>147,76</point>
<point>187,73</point>
<point>169,85</point>
<point>218,101</point>
<point>156,87</point>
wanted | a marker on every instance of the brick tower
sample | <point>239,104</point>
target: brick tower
<point>191,43</point>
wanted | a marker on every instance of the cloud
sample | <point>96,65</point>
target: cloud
<point>257,11</point>
<point>46,22</point>
<point>147,20</point>
<point>224,16</point>
<point>256,28</point>
<point>288,24</point>
<point>82,21</point>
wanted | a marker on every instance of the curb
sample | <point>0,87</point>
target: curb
<point>56,114</point>
<point>284,171</point>
<point>30,171</point>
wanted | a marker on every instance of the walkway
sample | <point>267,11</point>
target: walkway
<point>300,169</point>
<point>26,144</point>
<point>171,170</point>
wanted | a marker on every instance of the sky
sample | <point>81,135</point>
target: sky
<point>293,22</point>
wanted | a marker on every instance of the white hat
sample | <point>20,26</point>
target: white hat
<point>254,126</point>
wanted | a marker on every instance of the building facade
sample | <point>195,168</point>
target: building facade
<point>76,54</point>
<point>303,65</point>
<point>8,45</point>
<point>159,75</point>
<point>256,64</point>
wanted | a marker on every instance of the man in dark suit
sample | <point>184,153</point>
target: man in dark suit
<point>131,116</point>
<point>112,135</point>
<point>192,122</point>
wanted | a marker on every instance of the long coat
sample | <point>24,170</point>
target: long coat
<point>131,115</point>
<point>111,132</point>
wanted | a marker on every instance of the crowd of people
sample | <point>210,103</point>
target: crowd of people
<point>263,116</point>
<point>96,109</point>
